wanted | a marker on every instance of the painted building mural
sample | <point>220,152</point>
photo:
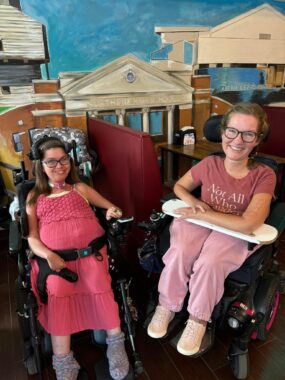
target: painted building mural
<point>133,64</point>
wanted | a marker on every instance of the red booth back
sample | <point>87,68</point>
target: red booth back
<point>275,143</point>
<point>128,174</point>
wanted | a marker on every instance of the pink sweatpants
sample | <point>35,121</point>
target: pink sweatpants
<point>198,260</point>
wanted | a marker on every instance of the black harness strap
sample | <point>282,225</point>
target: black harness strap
<point>93,248</point>
<point>67,255</point>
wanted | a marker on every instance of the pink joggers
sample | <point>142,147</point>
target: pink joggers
<point>198,260</point>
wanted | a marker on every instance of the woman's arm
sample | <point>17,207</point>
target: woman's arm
<point>55,262</point>
<point>253,217</point>
<point>97,200</point>
<point>183,188</point>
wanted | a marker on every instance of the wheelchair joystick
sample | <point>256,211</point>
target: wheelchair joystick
<point>155,216</point>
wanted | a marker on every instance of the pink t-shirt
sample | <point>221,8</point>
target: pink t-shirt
<point>227,194</point>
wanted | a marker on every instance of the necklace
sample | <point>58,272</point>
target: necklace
<point>57,185</point>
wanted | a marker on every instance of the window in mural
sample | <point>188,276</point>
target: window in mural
<point>188,53</point>
<point>17,142</point>
<point>112,118</point>
<point>156,123</point>
<point>5,90</point>
<point>30,134</point>
<point>162,53</point>
<point>134,120</point>
<point>264,36</point>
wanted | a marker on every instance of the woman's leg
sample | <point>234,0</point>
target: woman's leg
<point>186,241</point>
<point>60,344</point>
<point>220,255</point>
<point>116,354</point>
<point>64,364</point>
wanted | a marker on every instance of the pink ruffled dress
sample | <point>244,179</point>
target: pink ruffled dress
<point>66,222</point>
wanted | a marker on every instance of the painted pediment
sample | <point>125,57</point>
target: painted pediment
<point>263,20</point>
<point>126,75</point>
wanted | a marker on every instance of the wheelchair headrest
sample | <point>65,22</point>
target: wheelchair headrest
<point>23,189</point>
<point>212,128</point>
<point>34,153</point>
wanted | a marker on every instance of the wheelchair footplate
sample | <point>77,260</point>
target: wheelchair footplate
<point>102,371</point>
<point>207,342</point>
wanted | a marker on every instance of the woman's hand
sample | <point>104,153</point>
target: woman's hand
<point>55,262</point>
<point>193,211</point>
<point>113,212</point>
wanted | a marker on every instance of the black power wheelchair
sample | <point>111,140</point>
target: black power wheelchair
<point>37,343</point>
<point>251,298</point>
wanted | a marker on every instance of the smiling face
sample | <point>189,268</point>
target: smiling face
<point>236,149</point>
<point>58,173</point>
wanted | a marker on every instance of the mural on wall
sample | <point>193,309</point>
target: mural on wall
<point>89,34</point>
<point>115,37</point>
<point>64,61</point>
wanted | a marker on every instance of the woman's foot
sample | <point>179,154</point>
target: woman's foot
<point>65,366</point>
<point>191,338</point>
<point>117,356</point>
<point>159,322</point>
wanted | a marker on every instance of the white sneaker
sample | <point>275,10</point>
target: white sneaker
<point>159,322</point>
<point>191,339</point>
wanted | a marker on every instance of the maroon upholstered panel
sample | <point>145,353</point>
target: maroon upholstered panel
<point>275,143</point>
<point>129,174</point>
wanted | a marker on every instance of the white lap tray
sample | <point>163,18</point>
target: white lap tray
<point>265,234</point>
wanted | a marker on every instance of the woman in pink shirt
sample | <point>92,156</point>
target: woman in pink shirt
<point>236,193</point>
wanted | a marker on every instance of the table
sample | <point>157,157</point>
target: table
<point>197,151</point>
<point>203,148</point>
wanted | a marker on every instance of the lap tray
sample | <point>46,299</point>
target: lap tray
<point>265,234</point>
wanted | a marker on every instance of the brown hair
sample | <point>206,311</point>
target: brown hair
<point>41,185</point>
<point>255,110</point>
<point>248,109</point>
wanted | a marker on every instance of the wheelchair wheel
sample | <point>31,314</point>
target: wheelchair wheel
<point>31,365</point>
<point>239,362</point>
<point>98,337</point>
<point>46,345</point>
<point>269,288</point>
<point>21,301</point>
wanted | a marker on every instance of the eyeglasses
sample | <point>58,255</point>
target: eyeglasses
<point>52,163</point>
<point>247,136</point>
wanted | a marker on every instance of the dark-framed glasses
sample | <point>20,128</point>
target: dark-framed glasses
<point>247,136</point>
<point>52,162</point>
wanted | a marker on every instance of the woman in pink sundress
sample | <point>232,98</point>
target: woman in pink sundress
<point>60,219</point>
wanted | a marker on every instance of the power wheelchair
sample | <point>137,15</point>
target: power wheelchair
<point>251,297</point>
<point>37,343</point>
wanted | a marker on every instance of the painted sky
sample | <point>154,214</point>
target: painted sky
<point>86,34</point>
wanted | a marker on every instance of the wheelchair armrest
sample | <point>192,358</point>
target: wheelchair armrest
<point>277,216</point>
<point>15,238</point>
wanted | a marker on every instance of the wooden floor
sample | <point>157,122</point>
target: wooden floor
<point>160,359</point>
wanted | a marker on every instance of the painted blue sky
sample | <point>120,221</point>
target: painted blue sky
<point>86,34</point>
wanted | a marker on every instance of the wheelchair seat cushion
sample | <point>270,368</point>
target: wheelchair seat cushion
<point>248,272</point>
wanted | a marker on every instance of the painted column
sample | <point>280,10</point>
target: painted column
<point>170,130</point>
<point>93,113</point>
<point>121,116</point>
<point>146,120</point>
<point>170,124</point>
